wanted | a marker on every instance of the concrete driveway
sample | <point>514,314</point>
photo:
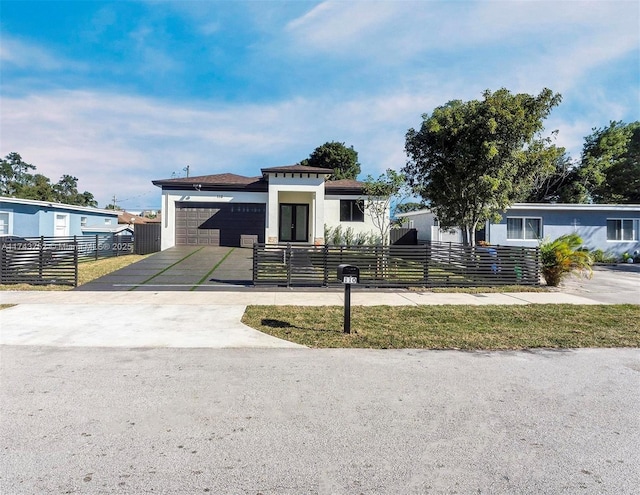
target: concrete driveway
<point>615,284</point>
<point>182,268</point>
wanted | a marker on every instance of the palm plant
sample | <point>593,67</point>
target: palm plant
<point>563,256</point>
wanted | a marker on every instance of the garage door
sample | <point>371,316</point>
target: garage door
<point>220,224</point>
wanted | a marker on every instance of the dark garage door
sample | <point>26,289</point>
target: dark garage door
<point>219,224</point>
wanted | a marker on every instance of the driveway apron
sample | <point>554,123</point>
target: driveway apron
<point>182,268</point>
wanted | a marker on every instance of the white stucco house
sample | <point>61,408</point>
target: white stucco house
<point>289,204</point>
<point>615,229</point>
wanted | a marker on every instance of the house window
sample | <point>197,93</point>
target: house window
<point>107,221</point>
<point>351,210</point>
<point>4,222</point>
<point>524,229</point>
<point>619,229</point>
<point>83,221</point>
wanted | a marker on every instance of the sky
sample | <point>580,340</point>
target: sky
<point>121,93</point>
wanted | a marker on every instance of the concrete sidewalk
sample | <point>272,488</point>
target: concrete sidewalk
<point>194,319</point>
<point>295,297</point>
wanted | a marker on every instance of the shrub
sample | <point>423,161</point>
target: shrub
<point>599,256</point>
<point>563,256</point>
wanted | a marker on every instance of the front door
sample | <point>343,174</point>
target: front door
<point>61,225</point>
<point>294,222</point>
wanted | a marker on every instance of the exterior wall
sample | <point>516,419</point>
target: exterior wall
<point>33,220</point>
<point>332,216</point>
<point>588,221</point>
<point>424,223</point>
<point>291,188</point>
<point>590,225</point>
<point>283,188</point>
<point>169,198</point>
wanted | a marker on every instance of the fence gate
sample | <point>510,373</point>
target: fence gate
<point>146,238</point>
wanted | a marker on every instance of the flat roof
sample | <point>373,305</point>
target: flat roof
<point>52,204</point>
<point>549,207</point>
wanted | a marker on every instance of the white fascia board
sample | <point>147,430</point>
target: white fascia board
<point>61,206</point>
<point>572,207</point>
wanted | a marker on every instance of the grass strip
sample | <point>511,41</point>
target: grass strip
<point>165,269</point>
<point>87,271</point>
<point>557,326</point>
<point>202,280</point>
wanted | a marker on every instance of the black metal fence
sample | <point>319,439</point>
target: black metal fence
<point>54,260</point>
<point>427,265</point>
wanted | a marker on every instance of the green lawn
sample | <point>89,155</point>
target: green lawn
<point>87,271</point>
<point>453,327</point>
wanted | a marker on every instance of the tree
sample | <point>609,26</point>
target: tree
<point>554,183</point>
<point>410,206</point>
<point>609,171</point>
<point>387,189</point>
<point>16,181</point>
<point>471,160</point>
<point>39,187</point>
<point>14,174</point>
<point>335,155</point>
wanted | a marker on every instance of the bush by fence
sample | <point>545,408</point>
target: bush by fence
<point>427,265</point>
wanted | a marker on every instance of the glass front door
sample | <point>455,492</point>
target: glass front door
<point>294,222</point>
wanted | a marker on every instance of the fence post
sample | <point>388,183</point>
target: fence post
<point>254,265</point>
<point>41,258</point>
<point>288,258</point>
<point>75,261</point>
<point>96,247</point>
<point>425,269</point>
<point>325,262</point>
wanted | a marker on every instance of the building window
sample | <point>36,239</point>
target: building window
<point>524,229</point>
<point>619,229</point>
<point>83,221</point>
<point>4,222</point>
<point>351,210</point>
<point>107,221</point>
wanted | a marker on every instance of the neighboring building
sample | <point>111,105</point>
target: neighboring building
<point>615,229</point>
<point>124,217</point>
<point>31,218</point>
<point>285,204</point>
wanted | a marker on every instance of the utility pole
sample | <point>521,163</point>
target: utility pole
<point>114,202</point>
<point>186,169</point>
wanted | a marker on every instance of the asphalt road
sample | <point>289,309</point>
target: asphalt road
<point>289,421</point>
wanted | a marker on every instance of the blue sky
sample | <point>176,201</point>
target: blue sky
<point>120,93</point>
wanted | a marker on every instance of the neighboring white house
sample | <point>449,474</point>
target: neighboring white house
<point>286,204</point>
<point>614,229</point>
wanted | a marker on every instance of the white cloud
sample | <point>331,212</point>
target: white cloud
<point>23,55</point>
<point>118,144</point>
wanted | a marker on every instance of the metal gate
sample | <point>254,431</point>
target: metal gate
<point>146,238</point>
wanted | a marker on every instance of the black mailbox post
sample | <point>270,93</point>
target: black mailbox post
<point>348,274</point>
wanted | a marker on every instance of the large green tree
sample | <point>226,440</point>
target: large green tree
<point>342,159</point>
<point>14,174</point>
<point>609,171</point>
<point>471,160</point>
<point>17,181</point>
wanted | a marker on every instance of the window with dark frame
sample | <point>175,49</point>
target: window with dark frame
<point>351,210</point>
